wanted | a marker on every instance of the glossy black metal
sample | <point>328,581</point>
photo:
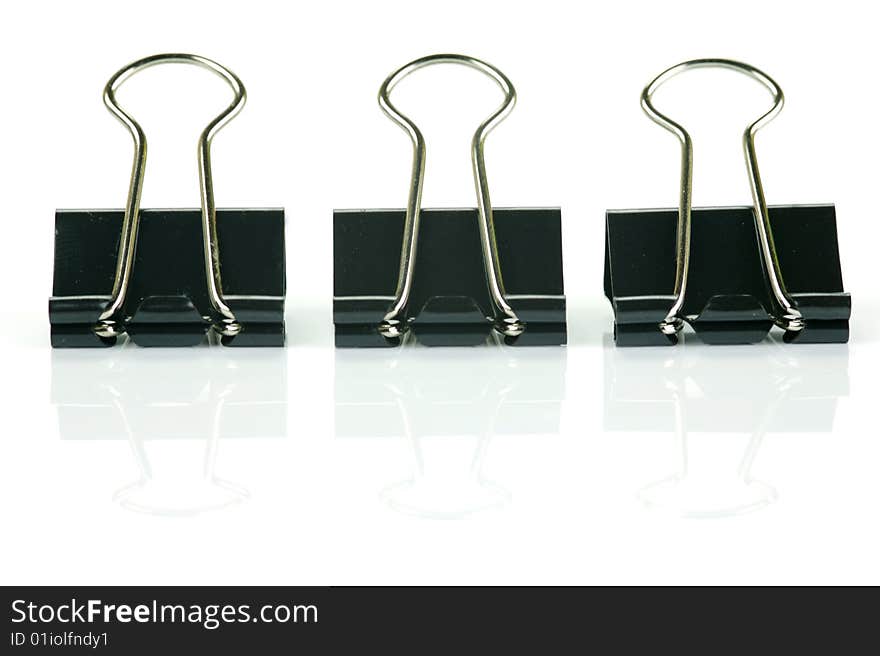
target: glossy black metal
<point>449,303</point>
<point>728,300</point>
<point>167,302</point>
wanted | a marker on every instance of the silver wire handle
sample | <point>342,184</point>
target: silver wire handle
<point>110,323</point>
<point>786,312</point>
<point>394,324</point>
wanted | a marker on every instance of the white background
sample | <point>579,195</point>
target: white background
<point>537,466</point>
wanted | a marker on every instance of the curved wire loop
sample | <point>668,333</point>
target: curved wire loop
<point>785,313</point>
<point>394,324</point>
<point>111,322</point>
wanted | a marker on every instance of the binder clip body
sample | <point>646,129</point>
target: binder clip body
<point>451,292</point>
<point>732,273</point>
<point>154,274</point>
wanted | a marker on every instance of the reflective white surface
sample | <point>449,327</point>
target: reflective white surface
<point>314,465</point>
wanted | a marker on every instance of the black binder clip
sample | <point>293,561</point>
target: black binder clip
<point>725,267</point>
<point>445,296</point>
<point>156,274</point>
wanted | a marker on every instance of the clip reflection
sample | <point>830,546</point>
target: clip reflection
<point>174,408</point>
<point>721,403</point>
<point>448,404</point>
